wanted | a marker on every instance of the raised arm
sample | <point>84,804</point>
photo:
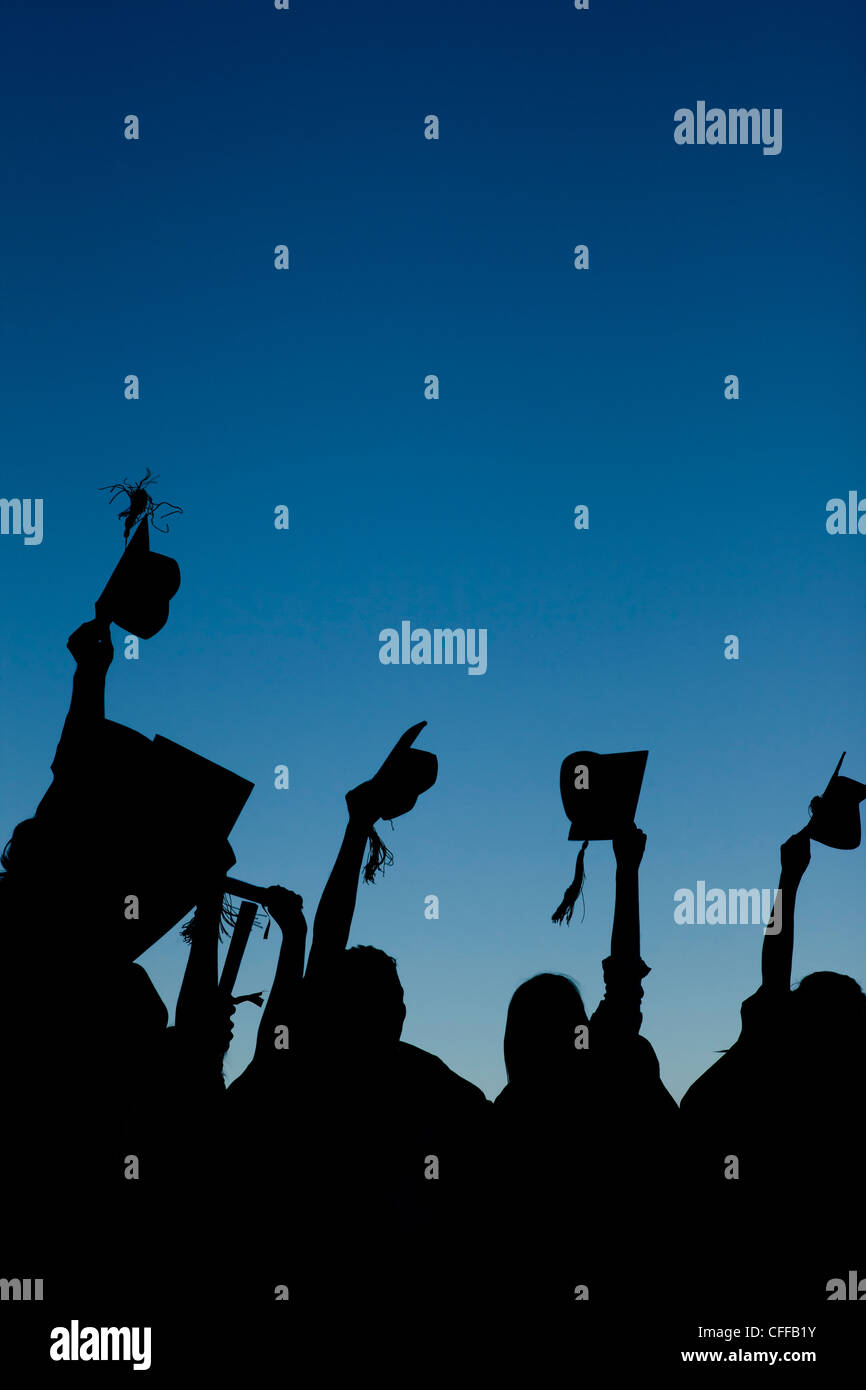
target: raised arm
<point>196,1013</point>
<point>333,920</point>
<point>619,1011</point>
<point>625,934</point>
<point>282,1007</point>
<point>778,950</point>
<point>405,773</point>
<point>91,647</point>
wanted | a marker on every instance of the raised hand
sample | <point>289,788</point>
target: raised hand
<point>795,854</point>
<point>286,907</point>
<point>398,784</point>
<point>629,847</point>
<point>777,952</point>
<point>282,1008</point>
<point>91,646</point>
<point>368,801</point>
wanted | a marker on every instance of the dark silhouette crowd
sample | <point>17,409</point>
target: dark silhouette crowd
<point>349,1193</point>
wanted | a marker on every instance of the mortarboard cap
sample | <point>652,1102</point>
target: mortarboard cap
<point>404,775</point>
<point>214,796</point>
<point>835,815</point>
<point>138,594</point>
<point>143,817</point>
<point>600,792</point>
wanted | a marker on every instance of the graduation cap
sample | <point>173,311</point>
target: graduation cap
<point>403,776</point>
<point>599,793</point>
<point>143,817</point>
<point>835,815</point>
<point>196,803</point>
<point>210,793</point>
<point>138,594</point>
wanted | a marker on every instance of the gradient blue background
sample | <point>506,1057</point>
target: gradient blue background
<point>305,388</point>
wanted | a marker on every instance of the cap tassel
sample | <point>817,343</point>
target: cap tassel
<point>379,858</point>
<point>566,907</point>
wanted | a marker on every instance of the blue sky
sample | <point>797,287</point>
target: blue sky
<point>558,387</point>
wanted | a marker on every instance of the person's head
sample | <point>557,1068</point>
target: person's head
<point>37,884</point>
<point>20,854</point>
<point>40,852</point>
<point>540,1029</point>
<point>369,998</point>
<point>829,1013</point>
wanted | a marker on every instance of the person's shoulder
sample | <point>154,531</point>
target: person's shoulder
<point>647,1054</point>
<point>429,1069</point>
<point>766,1006</point>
